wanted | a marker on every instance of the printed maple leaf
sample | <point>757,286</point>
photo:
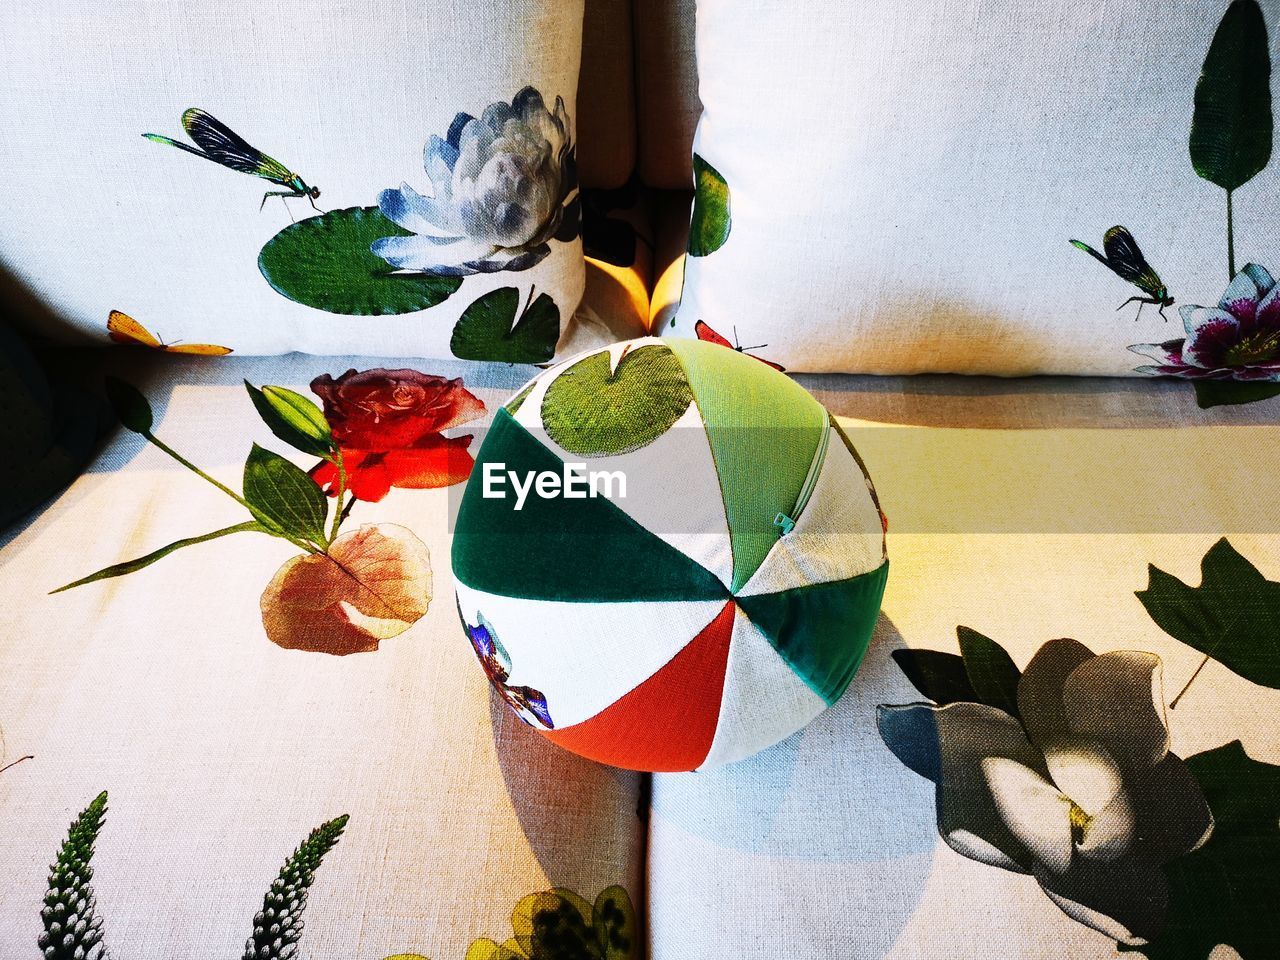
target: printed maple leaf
<point>1232,617</point>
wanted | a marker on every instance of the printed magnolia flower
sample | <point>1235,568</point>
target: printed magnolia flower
<point>372,584</point>
<point>529,704</point>
<point>1239,339</point>
<point>1083,793</point>
<point>502,187</point>
<point>388,425</point>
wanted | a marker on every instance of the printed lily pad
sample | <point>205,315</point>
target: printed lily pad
<point>711,220</point>
<point>1233,616</point>
<point>489,330</point>
<point>325,262</point>
<point>1225,892</point>
<point>592,412</point>
<point>1221,393</point>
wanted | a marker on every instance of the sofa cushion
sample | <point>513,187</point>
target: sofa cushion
<point>876,828</point>
<point>897,189</point>
<point>220,749</point>
<point>473,107</point>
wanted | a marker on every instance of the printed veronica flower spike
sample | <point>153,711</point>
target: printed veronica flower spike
<point>388,425</point>
<point>503,186</point>
<point>1082,793</point>
<point>1237,340</point>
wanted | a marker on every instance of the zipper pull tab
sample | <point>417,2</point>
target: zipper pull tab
<point>785,522</point>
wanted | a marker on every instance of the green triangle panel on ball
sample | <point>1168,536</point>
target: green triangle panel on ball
<point>709,608</point>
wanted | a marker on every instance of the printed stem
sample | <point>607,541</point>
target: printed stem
<point>1231,241</point>
<point>1174,702</point>
<point>339,512</point>
<point>196,470</point>
<point>16,762</point>
<point>301,544</point>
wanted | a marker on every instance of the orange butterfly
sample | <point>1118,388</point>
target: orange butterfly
<point>122,328</point>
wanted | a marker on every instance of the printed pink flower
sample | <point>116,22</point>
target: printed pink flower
<point>1237,340</point>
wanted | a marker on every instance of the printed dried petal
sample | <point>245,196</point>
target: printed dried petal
<point>373,584</point>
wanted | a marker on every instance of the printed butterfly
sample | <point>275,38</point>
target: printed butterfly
<point>1125,260</point>
<point>497,666</point>
<point>222,145</point>
<point>122,328</point>
<point>707,335</point>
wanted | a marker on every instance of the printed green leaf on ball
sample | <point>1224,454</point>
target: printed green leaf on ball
<point>490,330</point>
<point>591,410</point>
<point>325,262</point>
<point>711,221</point>
<point>513,405</point>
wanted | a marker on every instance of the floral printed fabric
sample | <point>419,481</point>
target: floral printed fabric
<point>407,163</point>
<point>1239,339</point>
<point>222,749</point>
<point>1077,787</point>
<point>501,187</point>
<point>856,247</point>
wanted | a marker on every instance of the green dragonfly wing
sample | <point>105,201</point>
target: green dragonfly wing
<point>223,145</point>
<point>269,168</point>
<point>1124,256</point>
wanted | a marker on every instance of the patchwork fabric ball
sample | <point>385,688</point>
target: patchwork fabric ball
<point>668,556</point>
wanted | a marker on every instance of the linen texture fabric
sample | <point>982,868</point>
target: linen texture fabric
<point>220,750</point>
<point>440,138</point>
<point>892,188</point>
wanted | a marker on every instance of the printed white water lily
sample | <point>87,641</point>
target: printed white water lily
<point>1082,792</point>
<point>502,187</point>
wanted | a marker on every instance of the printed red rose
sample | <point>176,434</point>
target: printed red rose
<point>434,461</point>
<point>388,425</point>
<point>392,409</point>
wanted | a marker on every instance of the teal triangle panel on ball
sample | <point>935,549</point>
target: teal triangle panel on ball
<point>580,550</point>
<point>822,630</point>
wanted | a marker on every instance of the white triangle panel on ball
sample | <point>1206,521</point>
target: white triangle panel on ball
<point>763,701</point>
<point>582,657</point>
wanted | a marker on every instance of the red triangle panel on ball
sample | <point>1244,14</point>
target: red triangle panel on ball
<point>668,722</point>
